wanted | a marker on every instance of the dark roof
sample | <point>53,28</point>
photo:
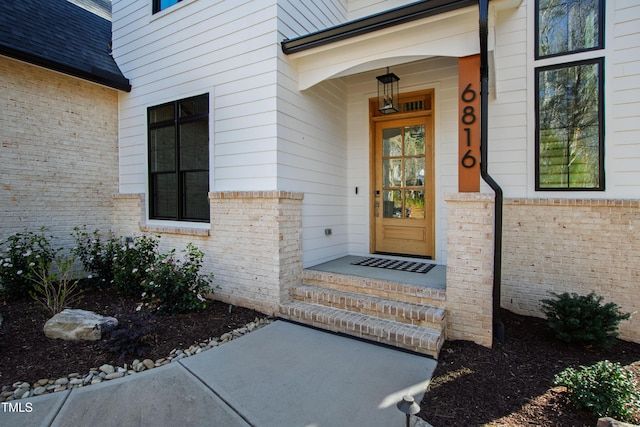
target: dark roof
<point>72,38</point>
<point>399,15</point>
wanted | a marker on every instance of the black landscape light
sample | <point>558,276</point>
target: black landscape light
<point>408,406</point>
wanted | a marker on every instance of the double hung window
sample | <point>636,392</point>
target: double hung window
<point>179,160</point>
<point>569,95</point>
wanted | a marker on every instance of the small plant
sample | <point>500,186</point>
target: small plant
<point>604,389</point>
<point>18,254</point>
<point>55,291</point>
<point>95,252</point>
<point>583,319</point>
<point>131,260</point>
<point>131,337</point>
<point>176,286</point>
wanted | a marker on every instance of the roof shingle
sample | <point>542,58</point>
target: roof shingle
<point>72,38</point>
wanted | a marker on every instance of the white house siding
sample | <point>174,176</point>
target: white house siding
<point>624,71</point>
<point>568,241</point>
<point>227,49</point>
<point>510,143</point>
<point>312,142</point>
<point>58,152</point>
<point>441,74</point>
<point>361,8</point>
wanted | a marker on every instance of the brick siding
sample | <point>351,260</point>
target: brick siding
<point>572,245</point>
<point>253,247</point>
<point>470,246</point>
<point>58,152</point>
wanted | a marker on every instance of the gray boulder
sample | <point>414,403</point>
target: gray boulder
<point>77,325</point>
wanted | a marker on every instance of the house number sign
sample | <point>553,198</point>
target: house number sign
<point>469,124</point>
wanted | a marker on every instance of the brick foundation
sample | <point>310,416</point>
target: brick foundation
<point>572,245</point>
<point>470,267</point>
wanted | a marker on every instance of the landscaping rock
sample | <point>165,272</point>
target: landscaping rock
<point>75,325</point>
<point>107,369</point>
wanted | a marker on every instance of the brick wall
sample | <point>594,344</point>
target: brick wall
<point>58,151</point>
<point>253,247</point>
<point>256,246</point>
<point>571,245</point>
<point>470,267</point>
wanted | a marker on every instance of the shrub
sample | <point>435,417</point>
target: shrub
<point>583,319</point>
<point>18,254</point>
<point>54,290</point>
<point>174,285</point>
<point>604,389</point>
<point>131,337</point>
<point>131,260</point>
<point>95,252</point>
<point>117,261</point>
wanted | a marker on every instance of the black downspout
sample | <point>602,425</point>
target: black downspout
<point>498,326</point>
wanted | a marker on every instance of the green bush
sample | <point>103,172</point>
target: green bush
<point>116,261</point>
<point>583,319</point>
<point>19,253</point>
<point>176,286</point>
<point>96,253</point>
<point>604,389</point>
<point>131,260</point>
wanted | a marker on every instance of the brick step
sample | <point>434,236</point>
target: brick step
<point>412,314</point>
<point>411,337</point>
<point>397,291</point>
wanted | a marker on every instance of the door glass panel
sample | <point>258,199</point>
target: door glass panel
<point>414,172</point>
<point>414,140</point>
<point>392,204</point>
<point>392,173</point>
<point>392,142</point>
<point>414,204</point>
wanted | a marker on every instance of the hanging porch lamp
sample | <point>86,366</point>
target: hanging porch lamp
<point>388,93</point>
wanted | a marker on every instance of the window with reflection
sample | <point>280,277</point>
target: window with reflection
<point>403,164</point>
<point>570,95</point>
<point>179,160</point>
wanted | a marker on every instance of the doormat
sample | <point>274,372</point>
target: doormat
<point>413,267</point>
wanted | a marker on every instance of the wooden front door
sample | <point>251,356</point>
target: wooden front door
<point>403,200</point>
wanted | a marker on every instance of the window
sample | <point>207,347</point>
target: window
<point>569,95</point>
<point>179,160</point>
<point>159,5</point>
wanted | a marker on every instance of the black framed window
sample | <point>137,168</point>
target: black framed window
<point>569,91</point>
<point>570,131</point>
<point>159,5</point>
<point>568,26</point>
<point>179,160</point>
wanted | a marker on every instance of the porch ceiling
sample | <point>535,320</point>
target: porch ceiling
<point>453,33</point>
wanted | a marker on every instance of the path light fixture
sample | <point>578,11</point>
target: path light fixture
<point>409,407</point>
<point>388,93</point>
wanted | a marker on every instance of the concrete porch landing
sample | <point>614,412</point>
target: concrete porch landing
<point>436,278</point>
<point>396,308</point>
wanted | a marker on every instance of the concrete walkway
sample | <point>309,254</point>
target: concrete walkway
<point>281,375</point>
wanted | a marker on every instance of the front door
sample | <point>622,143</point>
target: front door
<point>403,199</point>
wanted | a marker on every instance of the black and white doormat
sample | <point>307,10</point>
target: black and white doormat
<point>413,267</point>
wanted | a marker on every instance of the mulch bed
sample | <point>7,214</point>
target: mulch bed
<point>511,384</point>
<point>26,354</point>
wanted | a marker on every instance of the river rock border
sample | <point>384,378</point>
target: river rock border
<point>22,390</point>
